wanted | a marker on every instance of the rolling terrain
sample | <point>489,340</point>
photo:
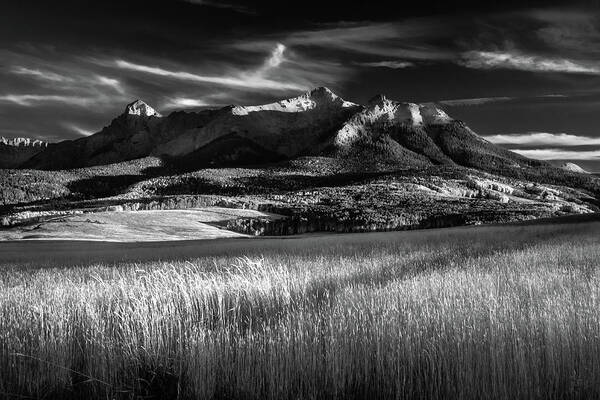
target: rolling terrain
<point>324,163</point>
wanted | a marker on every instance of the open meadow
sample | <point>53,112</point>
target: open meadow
<point>495,312</point>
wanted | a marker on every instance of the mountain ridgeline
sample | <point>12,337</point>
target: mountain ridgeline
<point>317,123</point>
<point>317,160</point>
<point>14,152</point>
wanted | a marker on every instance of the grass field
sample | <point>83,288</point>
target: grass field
<point>500,312</point>
<point>134,226</point>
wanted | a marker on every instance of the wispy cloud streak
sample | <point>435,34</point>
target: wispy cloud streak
<point>184,102</point>
<point>393,64</point>
<point>29,100</point>
<point>407,40</point>
<point>474,101</point>
<point>77,129</point>
<point>110,82</point>
<point>78,88</point>
<point>42,75</point>
<point>559,154</point>
<point>245,79</point>
<point>544,138</point>
<point>511,60</point>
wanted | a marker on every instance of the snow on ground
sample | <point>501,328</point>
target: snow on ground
<point>416,117</point>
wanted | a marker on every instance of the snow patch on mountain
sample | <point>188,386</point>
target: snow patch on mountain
<point>432,115</point>
<point>22,142</point>
<point>140,108</point>
<point>415,114</point>
<point>319,97</point>
<point>572,167</point>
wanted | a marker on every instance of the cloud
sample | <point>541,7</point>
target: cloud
<point>245,79</point>
<point>406,40</point>
<point>28,100</point>
<point>77,129</point>
<point>559,154</point>
<point>110,82</point>
<point>276,56</point>
<point>546,139</point>
<point>278,70</point>
<point>75,81</point>
<point>474,101</point>
<point>387,64</point>
<point>272,62</point>
<point>74,86</point>
<point>513,60</point>
<point>39,74</point>
<point>183,102</point>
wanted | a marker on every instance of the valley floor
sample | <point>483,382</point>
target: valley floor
<point>136,226</point>
<point>495,312</point>
<point>73,250</point>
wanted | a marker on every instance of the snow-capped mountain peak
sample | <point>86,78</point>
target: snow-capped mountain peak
<point>393,110</point>
<point>140,108</point>
<point>415,114</point>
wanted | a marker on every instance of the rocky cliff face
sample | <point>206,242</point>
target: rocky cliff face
<point>129,136</point>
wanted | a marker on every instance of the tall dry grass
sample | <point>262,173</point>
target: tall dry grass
<point>489,313</point>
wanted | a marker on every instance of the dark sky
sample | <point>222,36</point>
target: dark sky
<point>527,74</point>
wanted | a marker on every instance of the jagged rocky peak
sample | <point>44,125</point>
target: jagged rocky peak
<point>380,106</point>
<point>22,142</point>
<point>323,95</point>
<point>142,109</point>
<point>417,114</point>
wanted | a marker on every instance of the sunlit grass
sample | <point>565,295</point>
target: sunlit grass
<point>490,313</point>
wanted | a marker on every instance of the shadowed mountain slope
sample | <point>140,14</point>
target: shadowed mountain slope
<point>254,134</point>
<point>15,152</point>
<point>317,123</point>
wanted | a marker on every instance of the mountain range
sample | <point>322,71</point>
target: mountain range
<point>317,123</point>
<point>321,162</point>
